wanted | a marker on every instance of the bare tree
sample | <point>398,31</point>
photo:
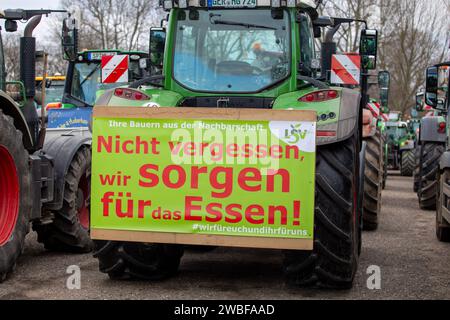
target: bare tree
<point>11,44</point>
<point>115,24</point>
<point>411,40</point>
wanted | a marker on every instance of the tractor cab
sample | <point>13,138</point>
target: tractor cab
<point>54,91</point>
<point>84,76</point>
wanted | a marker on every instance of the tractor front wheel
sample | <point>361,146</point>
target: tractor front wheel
<point>429,165</point>
<point>442,225</point>
<point>143,261</point>
<point>373,183</point>
<point>334,260</point>
<point>15,195</point>
<point>408,162</point>
<point>417,168</point>
<point>69,231</point>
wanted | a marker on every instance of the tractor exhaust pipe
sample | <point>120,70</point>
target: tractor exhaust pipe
<point>329,48</point>
<point>28,76</point>
<point>28,57</point>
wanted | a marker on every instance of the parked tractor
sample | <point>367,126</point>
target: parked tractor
<point>401,145</point>
<point>375,167</point>
<point>438,96</point>
<point>432,141</point>
<point>271,67</point>
<point>384,82</point>
<point>44,173</point>
<point>54,90</point>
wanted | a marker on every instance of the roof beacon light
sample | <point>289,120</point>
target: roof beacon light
<point>291,3</point>
<point>276,3</point>
<point>168,4</point>
<point>183,3</point>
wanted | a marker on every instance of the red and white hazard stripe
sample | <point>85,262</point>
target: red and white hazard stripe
<point>375,108</point>
<point>115,69</point>
<point>346,69</point>
<point>385,117</point>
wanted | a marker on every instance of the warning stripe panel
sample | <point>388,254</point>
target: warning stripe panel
<point>345,69</point>
<point>115,69</point>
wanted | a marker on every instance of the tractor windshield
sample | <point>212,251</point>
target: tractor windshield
<point>87,80</point>
<point>231,50</point>
<point>54,93</point>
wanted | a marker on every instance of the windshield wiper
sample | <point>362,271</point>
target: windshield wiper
<point>316,83</point>
<point>90,75</point>
<point>242,24</point>
<point>148,80</point>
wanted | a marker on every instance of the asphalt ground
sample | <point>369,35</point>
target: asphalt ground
<point>411,261</point>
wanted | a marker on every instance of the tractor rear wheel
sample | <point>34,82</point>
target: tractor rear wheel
<point>334,260</point>
<point>385,161</point>
<point>442,225</point>
<point>15,195</point>
<point>373,183</point>
<point>69,231</point>
<point>417,168</point>
<point>143,261</point>
<point>408,163</point>
<point>428,186</point>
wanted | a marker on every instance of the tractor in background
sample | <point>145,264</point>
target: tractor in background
<point>401,145</point>
<point>432,142</point>
<point>84,84</point>
<point>44,173</point>
<point>438,96</point>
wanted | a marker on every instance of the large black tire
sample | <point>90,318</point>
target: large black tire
<point>443,202</point>
<point>417,168</point>
<point>334,260</point>
<point>15,205</point>
<point>129,260</point>
<point>385,162</point>
<point>428,187</point>
<point>408,163</point>
<point>373,183</point>
<point>69,231</point>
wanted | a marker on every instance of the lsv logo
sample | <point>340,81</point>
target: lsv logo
<point>295,134</point>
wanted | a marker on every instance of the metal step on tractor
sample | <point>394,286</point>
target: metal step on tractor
<point>431,145</point>
<point>43,172</point>
<point>437,95</point>
<point>266,66</point>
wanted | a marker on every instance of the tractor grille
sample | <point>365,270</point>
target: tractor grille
<point>228,102</point>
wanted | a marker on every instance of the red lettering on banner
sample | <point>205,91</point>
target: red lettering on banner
<point>189,207</point>
<point>250,175</point>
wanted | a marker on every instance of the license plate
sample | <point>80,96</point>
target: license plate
<point>232,3</point>
<point>98,55</point>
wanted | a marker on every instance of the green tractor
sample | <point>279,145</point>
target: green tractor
<point>43,182</point>
<point>401,145</point>
<point>268,64</point>
<point>438,96</point>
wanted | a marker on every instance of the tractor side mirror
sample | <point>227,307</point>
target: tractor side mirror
<point>369,49</point>
<point>157,46</point>
<point>420,102</point>
<point>384,83</point>
<point>443,79</point>
<point>70,39</point>
<point>431,87</point>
